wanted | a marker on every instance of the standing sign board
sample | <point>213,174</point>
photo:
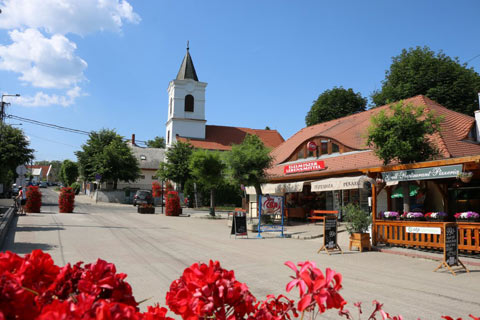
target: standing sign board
<point>239,224</point>
<point>330,235</point>
<point>271,206</point>
<point>450,248</point>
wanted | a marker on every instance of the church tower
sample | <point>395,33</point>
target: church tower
<point>186,104</point>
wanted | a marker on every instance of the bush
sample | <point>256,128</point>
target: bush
<point>76,187</point>
<point>172,206</point>
<point>66,200</point>
<point>357,220</point>
<point>34,200</point>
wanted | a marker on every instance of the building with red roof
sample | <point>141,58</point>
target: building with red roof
<point>329,165</point>
<point>186,116</point>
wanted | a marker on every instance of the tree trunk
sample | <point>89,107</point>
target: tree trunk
<point>212,202</point>
<point>258,191</point>
<point>406,197</point>
<point>115,184</point>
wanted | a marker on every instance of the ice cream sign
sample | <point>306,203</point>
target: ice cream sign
<point>304,167</point>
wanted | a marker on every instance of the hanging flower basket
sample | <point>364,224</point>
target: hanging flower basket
<point>465,177</point>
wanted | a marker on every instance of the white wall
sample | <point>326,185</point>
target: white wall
<point>181,122</point>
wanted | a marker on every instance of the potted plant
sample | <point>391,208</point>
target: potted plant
<point>467,216</point>
<point>358,222</point>
<point>435,216</point>
<point>66,200</point>
<point>465,177</point>
<point>34,200</point>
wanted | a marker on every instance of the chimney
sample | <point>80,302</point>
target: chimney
<point>133,139</point>
<point>477,120</point>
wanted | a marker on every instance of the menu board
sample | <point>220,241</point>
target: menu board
<point>330,233</point>
<point>451,245</point>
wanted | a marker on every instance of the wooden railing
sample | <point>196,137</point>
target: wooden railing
<point>395,233</point>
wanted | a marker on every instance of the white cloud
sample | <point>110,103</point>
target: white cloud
<point>41,61</point>
<point>41,99</point>
<point>67,16</point>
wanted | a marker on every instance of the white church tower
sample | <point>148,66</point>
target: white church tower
<point>186,104</point>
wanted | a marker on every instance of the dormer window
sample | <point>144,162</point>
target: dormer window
<point>189,102</point>
<point>142,157</point>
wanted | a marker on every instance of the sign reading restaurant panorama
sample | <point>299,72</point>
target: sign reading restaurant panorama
<point>423,174</point>
<point>304,167</point>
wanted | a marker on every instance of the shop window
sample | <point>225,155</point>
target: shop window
<point>301,154</point>
<point>189,101</point>
<point>335,148</point>
<point>324,146</point>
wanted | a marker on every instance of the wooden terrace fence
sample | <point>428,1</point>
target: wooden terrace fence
<point>394,233</point>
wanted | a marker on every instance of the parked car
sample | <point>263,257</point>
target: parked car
<point>143,197</point>
<point>43,184</point>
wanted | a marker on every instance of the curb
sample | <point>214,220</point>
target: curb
<point>423,256</point>
<point>5,223</point>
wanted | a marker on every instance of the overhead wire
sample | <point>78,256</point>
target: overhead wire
<point>57,127</point>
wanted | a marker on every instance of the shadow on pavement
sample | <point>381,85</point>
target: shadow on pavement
<point>27,247</point>
<point>37,228</point>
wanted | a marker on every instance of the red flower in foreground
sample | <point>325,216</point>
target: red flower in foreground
<point>315,287</point>
<point>209,291</point>
<point>275,308</point>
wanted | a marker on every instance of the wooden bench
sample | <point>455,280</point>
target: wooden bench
<point>321,214</point>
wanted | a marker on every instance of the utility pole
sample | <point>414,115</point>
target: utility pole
<point>3,104</point>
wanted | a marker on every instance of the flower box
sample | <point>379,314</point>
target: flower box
<point>436,216</point>
<point>390,215</point>
<point>412,216</point>
<point>468,216</point>
<point>146,209</point>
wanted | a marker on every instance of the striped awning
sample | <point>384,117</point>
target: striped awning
<point>277,188</point>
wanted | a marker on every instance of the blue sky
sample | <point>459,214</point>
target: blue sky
<point>81,65</point>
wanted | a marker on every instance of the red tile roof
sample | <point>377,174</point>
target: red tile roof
<point>44,169</point>
<point>222,137</point>
<point>351,131</point>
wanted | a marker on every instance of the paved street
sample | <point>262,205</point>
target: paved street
<point>153,250</point>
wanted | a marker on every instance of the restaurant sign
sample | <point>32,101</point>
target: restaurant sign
<point>304,167</point>
<point>423,174</point>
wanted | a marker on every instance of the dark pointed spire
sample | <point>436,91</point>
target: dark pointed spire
<point>187,70</point>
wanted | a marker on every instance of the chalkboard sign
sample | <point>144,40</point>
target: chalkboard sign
<point>451,245</point>
<point>330,233</point>
<point>239,224</point>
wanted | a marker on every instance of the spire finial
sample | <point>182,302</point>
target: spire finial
<point>188,45</point>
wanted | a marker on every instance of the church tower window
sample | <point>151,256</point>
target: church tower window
<point>189,101</point>
<point>170,106</point>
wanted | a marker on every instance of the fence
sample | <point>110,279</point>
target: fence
<point>397,233</point>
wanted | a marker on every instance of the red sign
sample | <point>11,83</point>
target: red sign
<point>304,167</point>
<point>311,146</point>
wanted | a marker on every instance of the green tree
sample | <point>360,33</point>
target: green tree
<point>439,77</point>
<point>107,154</point>
<point>68,172</point>
<point>402,136</point>
<point>208,169</point>
<point>14,151</point>
<point>176,168</point>
<point>248,161</point>
<point>157,142</point>
<point>333,104</point>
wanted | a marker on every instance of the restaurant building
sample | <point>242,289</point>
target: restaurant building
<point>328,165</point>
